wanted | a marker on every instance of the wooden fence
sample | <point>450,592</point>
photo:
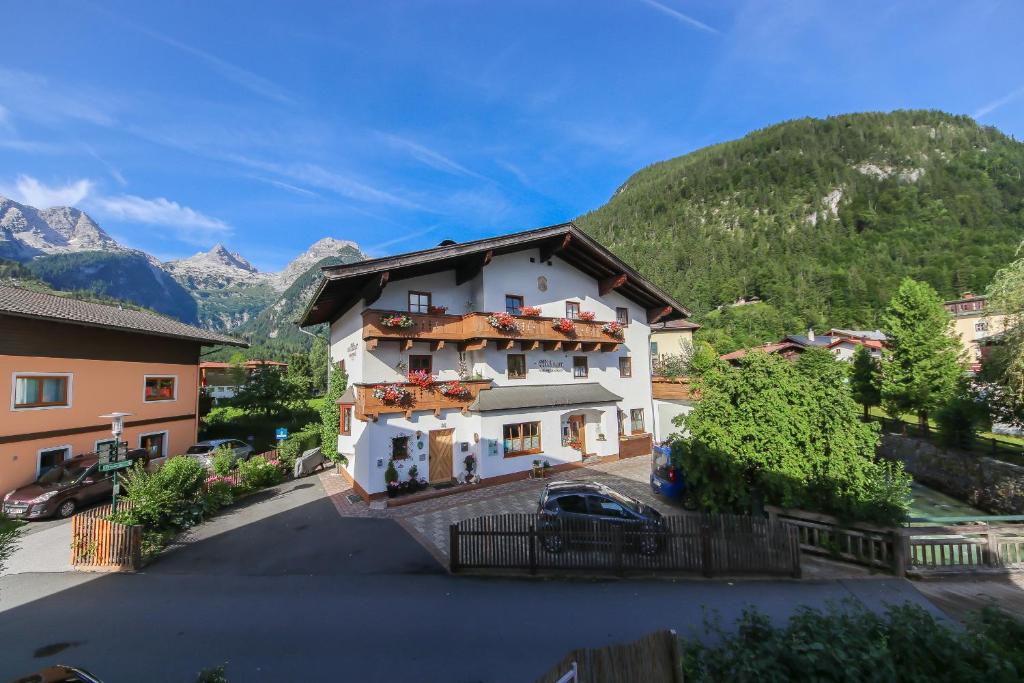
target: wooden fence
<point>234,478</point>
<point>710,544</point>
<point>99,545</point>
<point>655,658</point>
<point>865,544</point>
<point>965,548</point>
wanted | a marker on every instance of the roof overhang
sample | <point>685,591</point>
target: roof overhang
<point>344,286</point>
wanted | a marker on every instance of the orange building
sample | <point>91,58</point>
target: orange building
<point>65,362</point>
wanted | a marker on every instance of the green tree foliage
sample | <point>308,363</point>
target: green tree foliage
<point>921,367</point>
<point>330,415</point>
<point>266,392</point>
<point>318,361</point>
<point>740,327</point>
<point>915,193</point>
<point>1003,368</point>
<point>300,374</point>
<point>166,498</point>
<point>790,431</point>
<point>958,418</point>
<point>865,380</point>
<point>903,644</point>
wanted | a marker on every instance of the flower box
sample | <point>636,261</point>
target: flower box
<point>503,321</point>
<point>587,316</point>
<point>564,325</point>
<point>391,393</point>
<point>437,310</point>
<point>613,329</point>
<point>454,389</point>
<point>421,378</point>
<point>398,321</point>
<point>530,311</point>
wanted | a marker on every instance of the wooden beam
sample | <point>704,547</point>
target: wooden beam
<point>552,346</point>
<point>591,346</point>
<point>553,247</point>
<point>408,414</point>
<point>372,290</point>
<point>437,411</point>
<point>506,344</point>
<point>406,344</point>
<point>371,344</point>
<point>473,345</point>
<point>609,283</point>
<point>609,347</point>
<point>468,270</point>
<point>529,345</point>
<point>437,345</point>
<point>573,346</point>
<point>656,314</point>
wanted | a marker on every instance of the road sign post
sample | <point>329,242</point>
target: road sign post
<point>115,460</point>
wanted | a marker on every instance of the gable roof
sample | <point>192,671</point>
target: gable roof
<point>774,347</point>
<point>343,286</point>
<point>542,396</point>
<point>857,341</point>
<point>673,325</point>
<point>25,303</point>
<point>875,335</point>
<point>805,341</point>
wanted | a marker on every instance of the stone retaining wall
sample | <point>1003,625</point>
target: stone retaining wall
<point>991,485</point>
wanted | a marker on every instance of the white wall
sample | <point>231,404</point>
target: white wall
<point>665,412</point>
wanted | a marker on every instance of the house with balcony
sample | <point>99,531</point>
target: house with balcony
<point>65,362</point>
<point>533,346</point>
<point>973,324</point>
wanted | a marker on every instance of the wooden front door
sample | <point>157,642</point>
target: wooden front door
<point>441,455</point>
<point>578,431</point>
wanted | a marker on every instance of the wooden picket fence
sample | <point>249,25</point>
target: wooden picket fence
<point>99,545</point>
<point>655,658</point>
<point>864,544</point>
<point>234,478</point>
<point>709,544</point>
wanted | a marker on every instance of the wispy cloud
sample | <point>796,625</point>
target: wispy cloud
<point>114,172</point>
<point>187,224</point>
<point>242,77</point>
<point>987,109</point>
<point>286,186</point>
<point>427,156</point>
<point>380,248</point>
<point>29,190</point>
<point>679,16</point>
<point>36,97</point>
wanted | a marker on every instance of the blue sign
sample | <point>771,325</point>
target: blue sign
<point>282,433</point>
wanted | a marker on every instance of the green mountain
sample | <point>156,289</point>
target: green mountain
<point>821,218</point>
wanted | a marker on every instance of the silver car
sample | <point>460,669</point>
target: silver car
<point>203,451</point>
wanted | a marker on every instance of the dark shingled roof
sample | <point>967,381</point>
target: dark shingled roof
<point>28,304</point>
<point>542,395</point>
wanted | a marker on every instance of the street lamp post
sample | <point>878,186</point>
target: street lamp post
<point>114,460</point>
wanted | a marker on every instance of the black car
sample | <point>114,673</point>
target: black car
<point>63,489</point>
<point>569,510</point>
<point>59,674</point>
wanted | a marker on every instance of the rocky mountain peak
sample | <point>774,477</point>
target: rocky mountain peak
<point>319,250</point>
<point>28,231</point>
<point>232,259</point>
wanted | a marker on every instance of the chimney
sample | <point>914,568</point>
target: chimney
<point>810,334</point>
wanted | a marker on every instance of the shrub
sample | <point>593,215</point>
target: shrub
<point>330,416</point>
<point>959,417</point>
<point>218,495</point>
<point>257,473</point>
<point>167,498</point>
<point>905,643</point>
<point>223,461</point>
<point>295,445</point>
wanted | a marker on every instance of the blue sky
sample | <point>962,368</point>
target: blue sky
<point>267,126</point>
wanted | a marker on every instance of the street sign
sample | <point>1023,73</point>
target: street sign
<point>281,433</point>
<point>114,466</point>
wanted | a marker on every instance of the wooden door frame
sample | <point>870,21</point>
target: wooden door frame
<point>430,442</point>
<point>582,431</point>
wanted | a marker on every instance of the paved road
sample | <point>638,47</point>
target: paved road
<point>285,589</point>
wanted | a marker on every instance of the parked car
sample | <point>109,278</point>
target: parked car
<point>65,488</point>
<point>667,479</point>
<point>59,674</point>
<point>569,510</point>
<point>203,451</point>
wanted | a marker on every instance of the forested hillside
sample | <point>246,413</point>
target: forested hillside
<point>822,218</point>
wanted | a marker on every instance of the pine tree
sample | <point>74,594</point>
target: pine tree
<point>921,367</point>
<point>865,379</point>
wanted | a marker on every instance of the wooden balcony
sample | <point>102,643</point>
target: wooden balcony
<point>471,332</point>
<point>369,407</point>
<point>678,389</point>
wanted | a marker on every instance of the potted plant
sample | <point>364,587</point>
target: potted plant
<point>503,321</point>
<point>470,464</point>
<point>396,321</point>
<point>421,378</point>
<point>565,326</point>
<point>530,311</point>
<point>414,479</point>
<point>587,316</point>
<point>537,472</point>
<point>391,479</point>
<point>545,469</point>
<point>437,310</point>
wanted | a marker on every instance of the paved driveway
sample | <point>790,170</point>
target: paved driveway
<point>43,546</point>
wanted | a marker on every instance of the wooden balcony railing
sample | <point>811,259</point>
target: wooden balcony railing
<point>677,389</point>
<point>472,332</point>
<point>368,407</point>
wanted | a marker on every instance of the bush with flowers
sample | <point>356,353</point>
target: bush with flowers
<point>391,393</point>
<point>503,321</point>
<point>396,321</point>
<point>613,328</point>
<point>421,378</point>
<point>564,325</point>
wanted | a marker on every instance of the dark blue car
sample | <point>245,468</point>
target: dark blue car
<point>667,479</point>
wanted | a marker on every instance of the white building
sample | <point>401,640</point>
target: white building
<point>533,393</point>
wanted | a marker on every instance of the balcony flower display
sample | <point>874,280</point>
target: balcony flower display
<point>587,316</point>
<point>454,389</point>
<point>396,321</point>
<point>437,310</point>
<point>421,378</point>
<point>564,325</point>
<point>613,329</point>
<point>503,321</point>
<point>391,393</point>
<point>530,311</point>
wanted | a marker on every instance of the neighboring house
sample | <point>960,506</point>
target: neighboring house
<point>843,348</point>
<point>841,343</point>
<point>671,338</point>
<point>506,398</point>
<point>787,349</point>
<point>972,324</point>
<point>65,362</point>
<point>672,398</point>
<point>221,379</point>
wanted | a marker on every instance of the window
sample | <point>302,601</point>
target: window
<point>621,418</point>
<point>636,420</point>
<point>516,366</point>
<point>579,367</point>
<point>155,444</point>
<point>654,348</point>
<point>417,363</point>
<point>419,302</point>
<point>981,326</point>
<point>572,310</point>
<point>400,447</point>
<point>573,503</point>
<point>513,304</point>
<point>625,366</point>
<point>622,316</point>
<point>345,428</point>
<point>52,457</point>
<point>521,438</point>
<point>161,388</point>
<point>41,391</point>
<point>605,508</point>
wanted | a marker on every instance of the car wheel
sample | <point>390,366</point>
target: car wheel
<point>553,543</point>
<point>66,509</point>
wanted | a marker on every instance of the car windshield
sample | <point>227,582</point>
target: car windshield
<point>63,475</point>
<point>199,450</point>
